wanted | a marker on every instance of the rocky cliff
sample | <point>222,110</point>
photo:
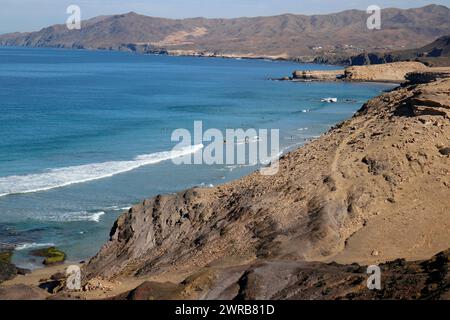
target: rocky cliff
<point>373,189</point>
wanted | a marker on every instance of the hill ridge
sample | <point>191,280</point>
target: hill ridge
<point>289,36</point>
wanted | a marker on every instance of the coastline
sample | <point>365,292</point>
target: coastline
<point>104,110</point>
<point>135,210</point>
<point>99,215</point>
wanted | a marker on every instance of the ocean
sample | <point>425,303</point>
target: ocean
<point>84,135</point>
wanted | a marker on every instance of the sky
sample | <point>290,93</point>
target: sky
<point>31,15</point>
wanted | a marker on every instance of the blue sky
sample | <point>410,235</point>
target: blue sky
<point>30,15</point>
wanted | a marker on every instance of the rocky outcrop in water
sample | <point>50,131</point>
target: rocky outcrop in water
<point>322,75</point>
<point>296,280</point>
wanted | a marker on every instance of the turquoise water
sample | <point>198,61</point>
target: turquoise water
<point>84,135</point>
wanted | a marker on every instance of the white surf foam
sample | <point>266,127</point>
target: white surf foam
<point>61,177</point>
<point>25,246</point>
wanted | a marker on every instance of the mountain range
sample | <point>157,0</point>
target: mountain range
<point>435,54</point>
<point>286,36</point>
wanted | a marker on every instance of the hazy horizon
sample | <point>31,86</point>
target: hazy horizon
<point>27,15</point>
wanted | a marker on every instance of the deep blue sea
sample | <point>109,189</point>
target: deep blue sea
<point>84,135</point>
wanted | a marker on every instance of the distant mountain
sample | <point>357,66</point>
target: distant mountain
<point>284,36</point>
<point>435,54</point>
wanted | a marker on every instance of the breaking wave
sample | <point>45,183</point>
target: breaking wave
<point>61,177</point>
